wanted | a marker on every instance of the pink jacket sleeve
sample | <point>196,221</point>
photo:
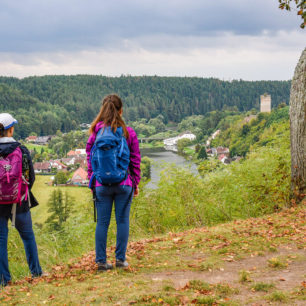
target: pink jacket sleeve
<point>135,157</point>
<point>89,145</point>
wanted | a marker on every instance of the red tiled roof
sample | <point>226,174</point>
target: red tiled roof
<point>81,173</point>
<point>222,150</point>
<point>42,166</point>
<point>221,156</point>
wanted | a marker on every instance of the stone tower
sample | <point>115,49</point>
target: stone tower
<point>265,103</point>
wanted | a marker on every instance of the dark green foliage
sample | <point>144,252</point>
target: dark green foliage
<point>63,143</point>
<point>60,178</point>
<point>240,136</point>
<point>60,207</point>
<point>209,165</point>
<point>183,143</point>
<point>202,153</point>
<point>145,167</point>
<point>46,104</point>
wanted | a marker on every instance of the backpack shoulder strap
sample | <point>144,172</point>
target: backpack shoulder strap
<point>25,163</point>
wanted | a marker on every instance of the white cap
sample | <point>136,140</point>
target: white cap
<point>7,120</point>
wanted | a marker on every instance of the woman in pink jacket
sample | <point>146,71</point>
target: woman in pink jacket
<point>121,194</point>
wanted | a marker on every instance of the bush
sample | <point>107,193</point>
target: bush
<point>254,187</point>
<point>60,178</point>
<point>183,143</point>
<point>145,167</point>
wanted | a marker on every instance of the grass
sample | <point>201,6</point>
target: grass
<point>277,263</point>
<point>77,281</point>
<point>277,296</point>
<point>260,286</point>
<point>38,148</point>
<point>190,151</point>
<point>150,145</point>
<point>244,276</point>
<point>42,192</point>
<point>199,285</point>
<point>257,186</point>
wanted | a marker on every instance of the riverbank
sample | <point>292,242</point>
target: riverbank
<point>160,158</point>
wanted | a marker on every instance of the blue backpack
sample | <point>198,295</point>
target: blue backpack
<point>110,157</point>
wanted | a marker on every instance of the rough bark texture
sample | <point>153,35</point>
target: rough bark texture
<point>298,128</point>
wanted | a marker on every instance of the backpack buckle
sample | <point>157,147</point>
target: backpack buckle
<point>7,167</point>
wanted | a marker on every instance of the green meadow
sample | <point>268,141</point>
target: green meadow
<point>42,192</point>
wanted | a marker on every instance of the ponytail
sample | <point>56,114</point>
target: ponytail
<point>109,114</point>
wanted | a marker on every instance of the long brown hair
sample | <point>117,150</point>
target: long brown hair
<point>109,114</point>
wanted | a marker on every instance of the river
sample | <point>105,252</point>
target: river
<point>159,157</point>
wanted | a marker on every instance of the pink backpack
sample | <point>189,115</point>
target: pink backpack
<point>13,186</point>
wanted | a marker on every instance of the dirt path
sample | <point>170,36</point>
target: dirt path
<point>285,279</point>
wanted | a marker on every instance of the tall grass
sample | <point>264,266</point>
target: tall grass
<point>256,186</point>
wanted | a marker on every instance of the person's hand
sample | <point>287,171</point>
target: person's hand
<point>136,192</point>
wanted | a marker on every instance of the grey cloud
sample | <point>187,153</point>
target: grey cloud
<point>54,25</point>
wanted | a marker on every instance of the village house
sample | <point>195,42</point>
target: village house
<point>81,161</point>
<point>42,167</point>
<point>58,165</point>
<point>69,161</point>
<point>85,126</point>
<point>224,159</point>
<point>218,151</point>
<point>80,152</point>
<point>71,153</point>
<point>79,177</point>
<point>173,141</point>
<point>31,139</point>
<point>43,140</point>
<point>76,153</point>
<point>223,150</point>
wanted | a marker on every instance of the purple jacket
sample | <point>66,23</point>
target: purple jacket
<point>135,158</point>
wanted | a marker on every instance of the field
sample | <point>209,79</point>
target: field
<point>42,191</point>
<point>38,148</point>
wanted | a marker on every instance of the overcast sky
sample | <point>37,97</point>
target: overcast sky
<point>247,39</point>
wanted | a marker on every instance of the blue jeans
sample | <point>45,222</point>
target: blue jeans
<point>106,195</point>
<point>24,226</point>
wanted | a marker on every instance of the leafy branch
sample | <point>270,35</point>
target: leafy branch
<point>301,8</point>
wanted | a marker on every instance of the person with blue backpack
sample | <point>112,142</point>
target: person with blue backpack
<point>16,199</point>
<point>113,160</point>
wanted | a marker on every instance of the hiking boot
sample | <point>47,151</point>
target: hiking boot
<point>121,264</point>
<point>43,274</point>
<point>103,266</point>
<point>4,284</point>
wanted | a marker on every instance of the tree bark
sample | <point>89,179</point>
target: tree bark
<point>298,129</point>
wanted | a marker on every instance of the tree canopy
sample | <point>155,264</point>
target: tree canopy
<point>44,105</point>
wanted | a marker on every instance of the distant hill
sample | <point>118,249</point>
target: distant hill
<point>46,104</point>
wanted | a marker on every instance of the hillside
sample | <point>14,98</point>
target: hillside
<point>258,261</point>
<point>67,101</point>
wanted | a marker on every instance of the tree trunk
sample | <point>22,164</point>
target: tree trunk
<point>298,129</point>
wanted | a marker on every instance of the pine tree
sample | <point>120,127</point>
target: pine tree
<point>202,153</point>
<point>60,208</point>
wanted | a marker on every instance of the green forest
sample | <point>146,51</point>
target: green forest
<point>47,104</point>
